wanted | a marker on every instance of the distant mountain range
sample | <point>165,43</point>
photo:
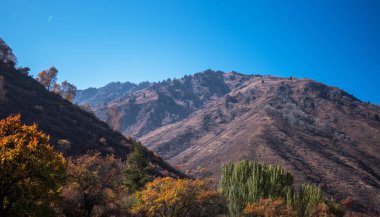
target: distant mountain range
<point>321,133</point>
<point>112,91</point>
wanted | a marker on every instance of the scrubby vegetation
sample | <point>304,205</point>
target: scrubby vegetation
<point>36,180</point>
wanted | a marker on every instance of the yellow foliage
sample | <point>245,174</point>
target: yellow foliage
<point>269,208</point>
<point>31,171</point>
<point>178,198</point>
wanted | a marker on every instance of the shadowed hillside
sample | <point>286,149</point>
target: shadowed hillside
<point>73,130</point>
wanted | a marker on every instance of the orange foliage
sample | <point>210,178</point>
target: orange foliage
<point>178,198</point>
<point>94,186</point>
<point>269,208</point>
<point>321,210</point>
<point>31,171</point>
<point>48,78</point>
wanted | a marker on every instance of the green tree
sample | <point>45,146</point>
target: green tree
<point>246,182</point>
<point>31,171</point>
<point>307,197</point>
<point>137,171</point>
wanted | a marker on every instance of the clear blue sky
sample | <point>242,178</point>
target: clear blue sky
<point>94,42</point>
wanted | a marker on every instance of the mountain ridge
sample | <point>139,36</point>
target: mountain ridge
<point>322,134</point>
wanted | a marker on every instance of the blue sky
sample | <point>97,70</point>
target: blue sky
<point>95,42</point>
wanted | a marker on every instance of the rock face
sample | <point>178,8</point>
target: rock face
<point>73,130</point>
<point>320,133</point>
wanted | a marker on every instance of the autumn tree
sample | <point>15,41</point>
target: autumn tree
<point>31,171</point>
<point>137,171</point>
<point>94,186</point>
<point>48,78</point>
<point>168,197</point>
<point>6,54</point>
<point>66,90</point>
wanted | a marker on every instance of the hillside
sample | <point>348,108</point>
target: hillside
<point>162,103</point>
<point>320,133</point>
<point>73,130</point>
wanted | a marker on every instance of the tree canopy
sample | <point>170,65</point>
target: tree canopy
<point>168,197</point>
<point>66,90</point>
<point>94,185</point>
<point>31,171</point>
<point>48,78</point>
<point>137,171</point>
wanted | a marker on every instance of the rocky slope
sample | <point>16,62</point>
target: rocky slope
<point>320,133</point>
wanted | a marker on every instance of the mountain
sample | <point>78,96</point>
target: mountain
<point>73,130</point>
<point>321,133</point>
<point>115,90</point>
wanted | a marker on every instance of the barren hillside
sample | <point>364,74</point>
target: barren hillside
<point>320,133</point>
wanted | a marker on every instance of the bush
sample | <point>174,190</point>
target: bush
<point>326,209</point>
<point>269,208</point>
